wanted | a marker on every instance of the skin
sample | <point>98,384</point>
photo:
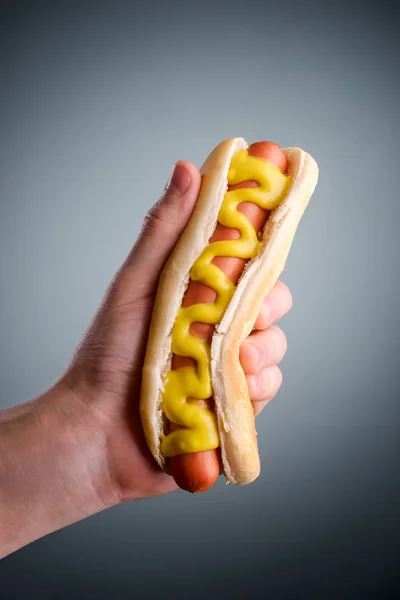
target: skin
<point>79,448</point>
<point>197,472</point>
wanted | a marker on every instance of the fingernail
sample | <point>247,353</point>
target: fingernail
<point>180,178</point>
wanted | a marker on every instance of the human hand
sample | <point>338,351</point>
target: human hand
<point>105,373</point>
<point>79,448</point>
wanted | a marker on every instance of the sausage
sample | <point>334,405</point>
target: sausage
<point>198,471</point>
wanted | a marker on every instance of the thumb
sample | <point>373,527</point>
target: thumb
<point>162,227</point>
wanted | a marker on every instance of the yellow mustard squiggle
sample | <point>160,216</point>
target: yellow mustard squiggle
<point>199,428</point>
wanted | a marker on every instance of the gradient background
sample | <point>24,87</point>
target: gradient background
<point>97,102</point>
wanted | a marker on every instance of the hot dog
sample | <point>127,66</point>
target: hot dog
<point>197,472</point>
<point>196,413</point>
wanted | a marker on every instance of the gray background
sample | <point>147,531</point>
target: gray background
<point>97,102</point>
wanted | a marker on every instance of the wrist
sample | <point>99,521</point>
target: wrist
<point>53,469</point>
<point>78,439</point>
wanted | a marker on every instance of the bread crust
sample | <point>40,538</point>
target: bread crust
<point>235,415</point>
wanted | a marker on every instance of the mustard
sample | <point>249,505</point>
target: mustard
<point>198,423</point>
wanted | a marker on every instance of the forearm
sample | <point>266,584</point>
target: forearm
<point>45,481</point>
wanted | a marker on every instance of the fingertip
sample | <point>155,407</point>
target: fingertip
<point>286,298</point>
<point>194,175</point>
<point>279,378</point>
<point>267,313</point>
<point>258,407</point>
<point>278,341</point>
<point>179,196</point>
<point>179,180</point>
<point>276,379</point>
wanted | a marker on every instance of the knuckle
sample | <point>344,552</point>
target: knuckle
<point>156,220</point>
<point>264,353</point>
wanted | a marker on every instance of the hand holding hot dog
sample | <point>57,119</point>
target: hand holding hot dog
<point>90,450</point>
<point>106,370</point>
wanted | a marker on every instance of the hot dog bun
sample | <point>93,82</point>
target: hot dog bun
<point>235,415</point>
